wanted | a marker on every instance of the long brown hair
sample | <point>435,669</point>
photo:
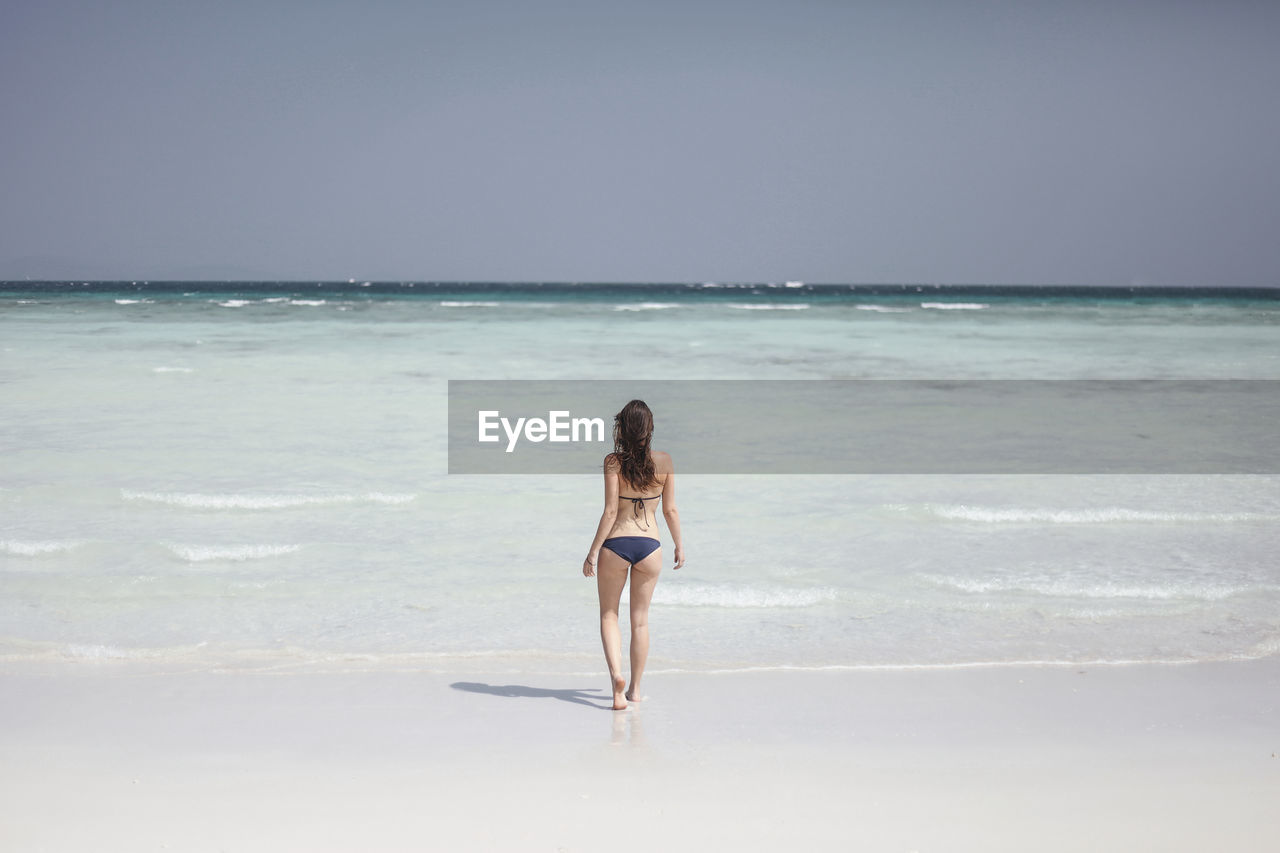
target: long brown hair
<point>632,430</point>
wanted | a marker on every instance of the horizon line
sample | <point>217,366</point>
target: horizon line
<point>792,284</point>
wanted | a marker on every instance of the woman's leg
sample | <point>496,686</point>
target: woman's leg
<point>644,577</point>
<point>611,577</point>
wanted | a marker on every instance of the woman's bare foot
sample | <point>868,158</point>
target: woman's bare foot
<point>619,697</point>
<point>633,696</point>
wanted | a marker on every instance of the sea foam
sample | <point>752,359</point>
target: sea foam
<point>254,501</point>
<point>707,595</point>
<point>237,553</point>
<point>34,549</point>
<point>97,652</point>
<point>997,515</point>
<point>647,306</point>
<point>1063,588</point>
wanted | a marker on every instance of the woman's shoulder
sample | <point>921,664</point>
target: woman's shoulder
<point>611,462</point>
<point>662,462</point>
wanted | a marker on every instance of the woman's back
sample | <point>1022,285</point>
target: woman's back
<point>638,508</point>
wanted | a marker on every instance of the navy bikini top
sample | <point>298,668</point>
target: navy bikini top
<point>637,506</point>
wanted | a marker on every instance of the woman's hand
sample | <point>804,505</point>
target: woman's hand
<point>589,566</point>
<point>679,556</point>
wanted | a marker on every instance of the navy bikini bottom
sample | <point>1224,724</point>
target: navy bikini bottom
<point>633,549</point>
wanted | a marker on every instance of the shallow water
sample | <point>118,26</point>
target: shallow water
<point>230,476</point>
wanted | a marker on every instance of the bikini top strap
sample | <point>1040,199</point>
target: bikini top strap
<point>637,507</point>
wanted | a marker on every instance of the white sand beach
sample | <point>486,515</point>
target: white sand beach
<point>1145,757</point>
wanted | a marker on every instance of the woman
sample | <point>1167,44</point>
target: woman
<point>635,478</point>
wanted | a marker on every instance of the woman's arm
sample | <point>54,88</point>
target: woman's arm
<point>607,517</point>
<point>672,515</point>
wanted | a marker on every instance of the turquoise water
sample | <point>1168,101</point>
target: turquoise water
<point>212,476</point>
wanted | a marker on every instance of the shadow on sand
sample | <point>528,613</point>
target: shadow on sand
<point>590,698</point>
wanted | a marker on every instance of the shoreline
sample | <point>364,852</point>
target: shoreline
<point>1155,756</point>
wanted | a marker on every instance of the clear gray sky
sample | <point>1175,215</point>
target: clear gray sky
<point>1014,142</point>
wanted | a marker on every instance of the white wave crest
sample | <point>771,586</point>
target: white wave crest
<point>705,595</point>
<point>35,549</point>
<point>961,306</point>
<point>464,303</point>
<point>883,309</point>
<point>997,515</point>
<point>103,652</point>
<point>1059,588</point>
<point>307,302</point>
<point>249,501</point>
<point>747,306</point>
<point>1266,648</point>
<point>235,303</point>
<point>202,553</point>
<point>98,652</point>
<point>647,306</point>
<point>134,301</point>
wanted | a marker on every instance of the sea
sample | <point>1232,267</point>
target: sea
<point>233,476</point>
